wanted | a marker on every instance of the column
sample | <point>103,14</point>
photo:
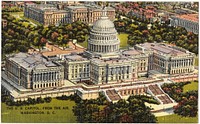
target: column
<point>88,46</point>
<point>56,75</point>
<point>99,48</point>
<point>48,76</point>
<point>37,77</point>
<point>52,76</point>
<point>182,62</point>
<point>41,77</point>
<point>44,79</point>
<point>33,77</point>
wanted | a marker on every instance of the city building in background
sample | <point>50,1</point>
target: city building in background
<point>61,13</point>
<point>189,21</point>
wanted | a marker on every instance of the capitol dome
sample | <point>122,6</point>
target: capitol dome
<point>103,37</point>
<point>103,22</point>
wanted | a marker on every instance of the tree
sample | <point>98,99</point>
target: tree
<point>158,38</point>
<point>133,110</point>
<point>9,48</point>
<point>54,36</point>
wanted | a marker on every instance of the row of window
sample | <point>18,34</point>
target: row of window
<point>180,71</point>
<point>45,85</point>
<point>119,77</point>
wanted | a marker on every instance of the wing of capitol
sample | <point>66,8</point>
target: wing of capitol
<point>102,67</point>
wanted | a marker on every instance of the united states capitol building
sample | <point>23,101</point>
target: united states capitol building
<point>102,63</point>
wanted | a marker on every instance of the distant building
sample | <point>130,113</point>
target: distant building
<point>64,3</point>
<point>88,13</point>
<point>46,14</point>
<point>49,14</point>
<point>19,4</point>
<point>6,4</point>
<point>189,21</point>
<point>148,13</point>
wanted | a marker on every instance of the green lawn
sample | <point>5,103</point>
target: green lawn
<point>123,41</point>
<point>17,13</point>
<point>30,20</point>
<point>55,115</point>
<point>176,119</point>
<point>84,44</point>
<point>191,86</point>
<point>21,15</point>
<point>196,61</point>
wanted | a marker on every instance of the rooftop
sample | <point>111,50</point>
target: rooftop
<point>75,58</point>
<point>163,48</point>
<point>131,52</point>
<point>191,17</point>
<point>46,8</point>
<point>55,50</point>
<point>121,60</point>
<point>86,6</point>
<point>30,61</point>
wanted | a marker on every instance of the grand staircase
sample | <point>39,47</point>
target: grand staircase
<point>159,94</point>
<point>112,95</point>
